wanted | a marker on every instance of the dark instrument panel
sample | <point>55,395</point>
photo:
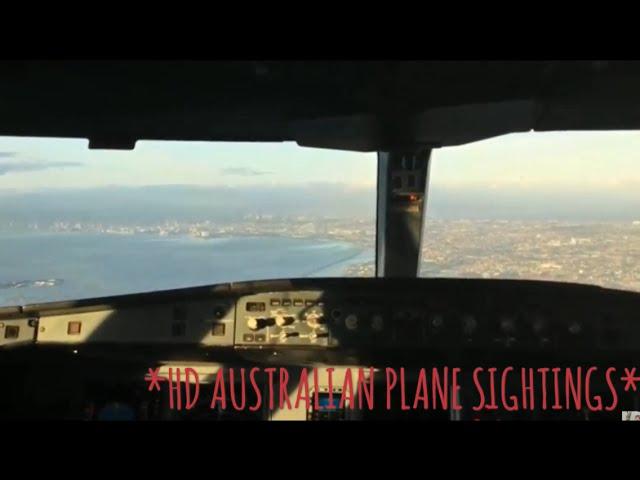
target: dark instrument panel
<point>94,347</point>
<point>443,315</point>
<point>370,314</point>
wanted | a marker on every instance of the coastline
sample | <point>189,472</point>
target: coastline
<point>85,265</point>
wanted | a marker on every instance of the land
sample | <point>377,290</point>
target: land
<point>603,253</point>
<point>606,254</point>
<point>357,231</point>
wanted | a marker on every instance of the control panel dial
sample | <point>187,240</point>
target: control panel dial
<point>351,322</point>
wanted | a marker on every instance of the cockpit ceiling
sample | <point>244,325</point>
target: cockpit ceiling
<point>362,106</point>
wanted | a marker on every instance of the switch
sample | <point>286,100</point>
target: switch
<point>282,320</point>
<point>255,307</point>
<point>12,331</point>
<point>73,328</point>
<point>218,330</point>
<point>285,335</point>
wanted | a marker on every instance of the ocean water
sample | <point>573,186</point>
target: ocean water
<point>42,267</point>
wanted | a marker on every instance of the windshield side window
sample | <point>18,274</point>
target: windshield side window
<point>558,206</point>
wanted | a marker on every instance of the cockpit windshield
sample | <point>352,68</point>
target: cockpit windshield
<point>78,223</point>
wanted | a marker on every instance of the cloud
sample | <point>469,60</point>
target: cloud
<point>7,154</point>
<point>243,172</point>
<point>13,166</point>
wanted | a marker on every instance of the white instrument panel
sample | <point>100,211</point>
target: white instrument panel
<point>203,322</point>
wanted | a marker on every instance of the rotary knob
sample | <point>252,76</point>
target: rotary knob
<point>507,325</point>
<point>539,325</point>
<point>351,322</point>
<point>255,323</point>
<point>314,320</point>
<point>377,323</point>
<point>469,324</point>
<point>575,328</point>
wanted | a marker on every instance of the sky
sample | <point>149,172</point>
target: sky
<point>533,160</point>
<point>34,163</point>
<point>547,160</point>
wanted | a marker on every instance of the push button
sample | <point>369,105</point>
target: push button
<point>218,329</point>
